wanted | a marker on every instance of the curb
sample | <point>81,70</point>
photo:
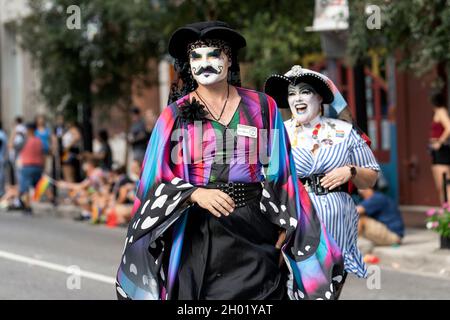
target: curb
<point>436,262</point>
<point>61,211</point>
<point>419,253</point>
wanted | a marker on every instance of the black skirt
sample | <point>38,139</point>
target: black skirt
<point>441,156</point>
<point>231,258</point>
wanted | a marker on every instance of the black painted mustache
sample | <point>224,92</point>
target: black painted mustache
<point>209,69</point>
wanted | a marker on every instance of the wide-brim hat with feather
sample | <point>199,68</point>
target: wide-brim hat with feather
<point>217,30</point>
<point>277,85</point>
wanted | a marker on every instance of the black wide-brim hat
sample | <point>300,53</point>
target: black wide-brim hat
<point>277,85</point>
<point>182,37</point>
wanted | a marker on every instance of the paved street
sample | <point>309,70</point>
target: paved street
<point>62,243</point>
<point>395,285</point>
<point>36,251</point>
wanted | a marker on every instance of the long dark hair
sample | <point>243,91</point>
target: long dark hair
<point>437,99</point>
<point>184,83</point>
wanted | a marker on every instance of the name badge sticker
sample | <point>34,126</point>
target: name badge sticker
<point>247,131</point>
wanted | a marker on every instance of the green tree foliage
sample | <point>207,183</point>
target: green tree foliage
<point>275,30</point>
<point>96,63</point>
<point>418,30</point>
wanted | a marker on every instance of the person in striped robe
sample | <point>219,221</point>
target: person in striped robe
<point>328,153</point>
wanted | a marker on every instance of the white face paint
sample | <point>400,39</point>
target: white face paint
<point>304,102</point>
<point>209,65</point>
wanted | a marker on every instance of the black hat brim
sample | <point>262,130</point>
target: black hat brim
<point>276,86</point>
<point>182,37</point>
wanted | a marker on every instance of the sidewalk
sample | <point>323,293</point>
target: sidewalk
<point>62,211</point>
<point>419,252</point>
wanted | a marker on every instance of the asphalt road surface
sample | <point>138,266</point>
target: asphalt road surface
<point>39,257</point>
<point>43,257</point>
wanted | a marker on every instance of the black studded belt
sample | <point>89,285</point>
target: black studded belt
<point>241,192</point>
<point>312,185</point>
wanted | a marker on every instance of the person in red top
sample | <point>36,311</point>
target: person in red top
<point>31,158</point>
<point>439,143</point>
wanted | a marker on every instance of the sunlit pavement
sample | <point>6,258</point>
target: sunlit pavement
<point>36,253</point>
<point>396,285</point>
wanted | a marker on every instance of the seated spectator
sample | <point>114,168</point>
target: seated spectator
<point>123,193</point>
<point>10,200</point>
<point>119,180</point>
<point>83,193</point>
<point>380,220</point>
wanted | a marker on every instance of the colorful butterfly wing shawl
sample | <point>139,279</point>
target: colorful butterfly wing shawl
<point>160,201</point>
<point>149,263</point>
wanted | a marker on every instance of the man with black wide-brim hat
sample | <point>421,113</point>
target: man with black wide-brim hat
<point>219,207</point>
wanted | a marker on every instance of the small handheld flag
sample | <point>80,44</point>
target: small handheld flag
<point>41,187</point>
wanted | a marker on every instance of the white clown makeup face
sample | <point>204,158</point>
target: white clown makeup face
<point>209,65</point>
<point>304,102</point>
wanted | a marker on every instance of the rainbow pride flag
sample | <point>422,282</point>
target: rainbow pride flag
<point>41,187</point>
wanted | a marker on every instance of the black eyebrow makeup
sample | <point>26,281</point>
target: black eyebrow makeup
<point>195,55</point>
<point>215,53</point>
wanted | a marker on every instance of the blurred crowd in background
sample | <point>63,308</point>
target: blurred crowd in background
<point>118,59</point>
<point>45,162</point>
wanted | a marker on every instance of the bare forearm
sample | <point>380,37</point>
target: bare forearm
<point>360,210</point>
<point>443,138</point>
<point>365,178</point>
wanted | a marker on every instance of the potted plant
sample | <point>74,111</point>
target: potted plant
<point>439,220</point>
